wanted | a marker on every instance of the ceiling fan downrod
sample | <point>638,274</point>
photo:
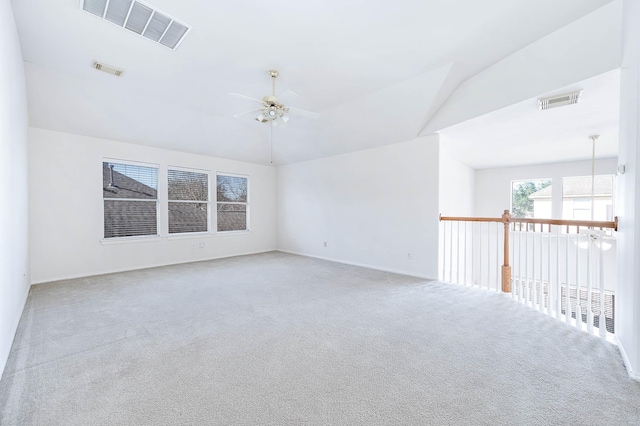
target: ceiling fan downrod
<point>274,74</point>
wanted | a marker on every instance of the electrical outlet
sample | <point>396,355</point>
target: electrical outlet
<point>325,244</point>
<point>202,244</point>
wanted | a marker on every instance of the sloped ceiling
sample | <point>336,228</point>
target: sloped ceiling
<point>375,71</point>
<point>520,134</point>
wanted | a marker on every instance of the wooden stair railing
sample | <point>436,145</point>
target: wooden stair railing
<point>507,219</point>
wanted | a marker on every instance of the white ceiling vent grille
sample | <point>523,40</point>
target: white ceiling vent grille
<point>140,18</point>
<point>560,100</point>
<point>107,68</point>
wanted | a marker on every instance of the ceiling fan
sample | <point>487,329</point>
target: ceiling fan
<point>272,109</point>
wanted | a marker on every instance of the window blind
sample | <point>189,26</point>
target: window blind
<point>232,203</point>
<point>185,188</point>
<point>130,194</point>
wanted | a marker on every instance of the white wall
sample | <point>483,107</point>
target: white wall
<point>65,182</point>
<point>457,185</point>
<point>628,211</point>
<point>14,240</point>
<point>493,186</point>
<point>372,207</point>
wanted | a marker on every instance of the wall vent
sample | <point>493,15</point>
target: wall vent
<point>140,18</point>
<point>560,100</point>
<point>107,68</point>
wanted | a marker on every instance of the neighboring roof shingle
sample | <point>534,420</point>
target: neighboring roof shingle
<point>580,187</point>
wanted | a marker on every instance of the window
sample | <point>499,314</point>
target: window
<point>232,197</point>
<point>188,201</point>
<point>531,198</point>
<point>130,195</point>
<point>576,198</point>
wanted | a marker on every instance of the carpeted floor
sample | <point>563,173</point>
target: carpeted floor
<point>277,339</point>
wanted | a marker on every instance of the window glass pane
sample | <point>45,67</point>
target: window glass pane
<point>189,186</point>
<point>137,215</point>
<point>187,217</point>
<point>129,181</point>
<point>232,189</point>
<point>576,197</point>
<point>232,217</point>
<point>531,198</point>
<point>129,218</point>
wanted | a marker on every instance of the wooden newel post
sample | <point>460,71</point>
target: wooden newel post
<point>506,269</point>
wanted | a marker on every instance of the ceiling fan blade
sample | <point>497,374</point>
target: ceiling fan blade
<point>287,96</point>
<point>246,112</point>
<point>304,113</point>
<point>238,95</point>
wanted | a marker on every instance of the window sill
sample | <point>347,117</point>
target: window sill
<point>125,240</point>
<point>229,233</point>
<point>187,235</point>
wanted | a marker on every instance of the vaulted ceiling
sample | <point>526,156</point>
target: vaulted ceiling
<point>376,71</point>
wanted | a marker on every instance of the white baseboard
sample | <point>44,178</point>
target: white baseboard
<point>362,265</point>
<point>627,364</point>
<point>155,265</point>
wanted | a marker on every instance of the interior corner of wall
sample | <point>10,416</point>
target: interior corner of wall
<point>633,373</point>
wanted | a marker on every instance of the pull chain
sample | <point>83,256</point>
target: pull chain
<point>271,142</point>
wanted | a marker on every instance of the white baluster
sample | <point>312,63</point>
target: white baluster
<point>488,256</point>
<point>542,297</point>
<point>578,296</point>
<point>534,289</point>
<point>520,298</point>
<point>540,285</point>
<point>444,249</point>
<point>602,321</point>
<point>464,277</point>
<point>480,255</point>
<point>578,316</point>
<point>473,252</point>
<point>589,284</point>
<point>518,264</point>
<point>526,267</point>
<point>498,262</point>
<point>549,286</point>
<point>567,288</point>
<point>558,284</point>
<point>512,260</point>
<point>458,253</point>
<point>450,252</point>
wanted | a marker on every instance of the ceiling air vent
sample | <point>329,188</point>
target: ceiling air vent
<point>140,18</point>
<point>560,100</point>
<point>108,69</point>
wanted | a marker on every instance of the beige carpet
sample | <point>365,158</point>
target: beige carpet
<point>277,339</point>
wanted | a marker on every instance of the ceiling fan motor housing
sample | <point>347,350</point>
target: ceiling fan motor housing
<point>271,101</point>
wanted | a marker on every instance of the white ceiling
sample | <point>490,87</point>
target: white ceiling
<point>375,70</point>
<point>522,134</point>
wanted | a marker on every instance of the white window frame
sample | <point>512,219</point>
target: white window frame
<point>243,231</point>
<point>132,238</point>
<point>208,202</point>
